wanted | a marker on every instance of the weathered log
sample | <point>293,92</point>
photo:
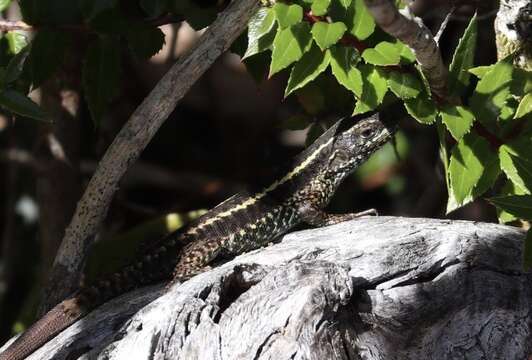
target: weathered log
<point>373,288</point>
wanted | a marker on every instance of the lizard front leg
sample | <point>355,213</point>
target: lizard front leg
<point>314,216</point>
<point>194,260</point>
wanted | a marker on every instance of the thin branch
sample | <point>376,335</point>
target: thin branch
<point>418,37</point>
<point>133,138</point>
<point>7,25</point>
<point>443,25</point>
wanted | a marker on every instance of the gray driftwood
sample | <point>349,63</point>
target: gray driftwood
<point>374,288</point>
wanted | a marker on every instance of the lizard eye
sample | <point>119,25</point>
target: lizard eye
<point>365,133</point>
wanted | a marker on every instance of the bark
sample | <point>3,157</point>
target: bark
<point>373,288</point>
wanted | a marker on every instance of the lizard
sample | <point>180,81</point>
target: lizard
<point>245,221</point>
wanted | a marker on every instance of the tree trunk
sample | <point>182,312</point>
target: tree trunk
<point>373,288</point>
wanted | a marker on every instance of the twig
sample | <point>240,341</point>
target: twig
<point>418,37</point>
<point>443,25</point>
<point>133,138</point>
<point>7,25</point>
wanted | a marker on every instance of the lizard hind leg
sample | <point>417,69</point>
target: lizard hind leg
<point>194,260</point>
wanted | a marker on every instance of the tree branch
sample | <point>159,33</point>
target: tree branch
<point>418,37</point>
<point>133,138</point>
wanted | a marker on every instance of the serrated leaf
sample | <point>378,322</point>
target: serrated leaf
<point>517,205</point>
<point>490,174</point>
<point>261,32</point>
<point>4,4</point>
<point>46,55</point>
<point>516,162</point>
<point>20,104</point>
<point>406,54</point>
<point>101,73</point>
<point>422,109</point>
<point>287,15</point>
<point>289,45</point>
<point>468,160</point>
<point>319,7</point>
<point>15,66</point>
<point>458,120</point>
<point>508,189</point>
<point>374,88</point>
<point>326,34</point>
<point>463,59</point>
<point>91,8</point>
<point>404,85</point>
<point>154,8</point>
<point>145,42</point>
<point>307,69</point>
<point>384,54</point>
<point>343,65</point>
<point>16,41</point>
<point>363,22</point>
<point>525,106</point>
<point>491,93</point>
<point>480,71</point>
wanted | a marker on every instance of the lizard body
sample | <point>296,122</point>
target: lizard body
<point>244,222</point>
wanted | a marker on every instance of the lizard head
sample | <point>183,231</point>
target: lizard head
<point>356,139</point>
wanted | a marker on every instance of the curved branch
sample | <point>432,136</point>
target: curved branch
<point>132,139</point>
<point>418,37</point>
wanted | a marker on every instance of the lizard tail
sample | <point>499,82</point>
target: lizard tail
<point>57,319</point>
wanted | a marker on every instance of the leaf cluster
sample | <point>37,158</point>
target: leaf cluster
<point>113,29</point>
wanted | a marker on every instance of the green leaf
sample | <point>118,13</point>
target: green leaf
<point>363,22</point>
<point>458,120</point>
<point>463,59</point>
<point>91,8</point>
<point>145,42</point>
<point>422,109</point>
<point>517,205</point>
<point>16,41</point>
<point>154,8</point>
<point>406,54</point>
<point>404,85</point>
<point>527,251</point>
<point>508,189</point>
<point>289,45</point>
<point>4,4</point>
<point>343,64</point>
<point>525,106</point>
<point>373,89</point>
<point>260,34</point>
<point>46,55</point>
<point>516,162</point>
<point>319,7</point>
<point>491,93</point>
<point>385,53</point>
<point>326,34</point>
<point>287,15</point>
<point>468,160</point>
<point>15,66</point>
<point>101,73</point>
<point>307,69</point>
<point>480,71</point>
<point>20,104</point>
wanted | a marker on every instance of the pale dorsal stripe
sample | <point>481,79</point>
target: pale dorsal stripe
<point>251,200</point>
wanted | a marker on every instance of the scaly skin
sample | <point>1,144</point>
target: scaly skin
<point>244,222</point>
